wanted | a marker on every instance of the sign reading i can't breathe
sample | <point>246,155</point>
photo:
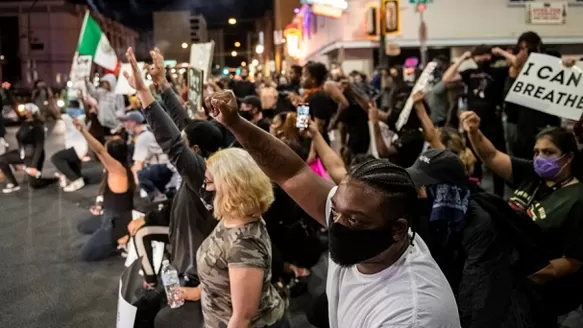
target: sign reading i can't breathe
<point>546,85</point>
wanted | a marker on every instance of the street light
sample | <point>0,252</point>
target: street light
<point>237,44</point>
<point>234,53</point>
<point>184,45</point>
<point>232,21</point>
<point>259,49</point>
<point>243,64</point>
<point>255,62</point>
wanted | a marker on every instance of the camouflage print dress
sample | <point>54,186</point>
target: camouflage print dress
<point>244,246</point>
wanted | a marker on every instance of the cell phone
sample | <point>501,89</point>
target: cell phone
<point>303,117</point>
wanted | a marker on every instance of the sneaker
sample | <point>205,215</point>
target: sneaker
<point>75,185</point>
<point>62,179</point>
<point>10,188</point>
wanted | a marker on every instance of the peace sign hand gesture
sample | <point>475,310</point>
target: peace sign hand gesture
<point>135,80</point>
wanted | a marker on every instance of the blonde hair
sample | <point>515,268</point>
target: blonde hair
<point>455,142</point>
<point>242,189</point>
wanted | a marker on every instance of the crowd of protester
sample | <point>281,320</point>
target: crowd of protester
<point>248,203</point>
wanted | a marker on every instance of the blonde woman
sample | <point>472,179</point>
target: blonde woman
<point>234,261</point>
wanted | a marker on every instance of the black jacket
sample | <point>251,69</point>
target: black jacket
<point>189,220</point>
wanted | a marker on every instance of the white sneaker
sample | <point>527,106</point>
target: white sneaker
<point>75,185</point>
<point>62,179</point>
<point>10,188</point>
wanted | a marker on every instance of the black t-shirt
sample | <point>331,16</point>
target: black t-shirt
<point>485,91</point>
<point>409,146</point>
<point>559,214</point>
<point>355,120</point>
<point>322,107</point>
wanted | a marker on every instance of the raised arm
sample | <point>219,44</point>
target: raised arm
<point>452,73</point>
<point>278,161</point>
<point>494,159</point>
<point>111,165</point>
<point>429,131</point>
<point>188,164</point>
<point>172,102</point>
<point>332,162</point>
<point>374,116</point>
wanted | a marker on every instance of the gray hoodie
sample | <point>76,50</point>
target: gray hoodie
<point>110,106</point>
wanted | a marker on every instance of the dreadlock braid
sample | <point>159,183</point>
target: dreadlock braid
<point>394,182</point>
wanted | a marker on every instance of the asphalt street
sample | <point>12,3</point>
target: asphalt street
<point>43,283</point>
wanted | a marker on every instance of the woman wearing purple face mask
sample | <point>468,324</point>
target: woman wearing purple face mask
<point>550,193</point>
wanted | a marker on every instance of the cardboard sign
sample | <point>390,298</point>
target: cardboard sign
<point>420,85</point>
<point>546,85</point>
<point>123,87</point>
<point>195,88</point>
<point>201,57</point>
<point>80,70</point>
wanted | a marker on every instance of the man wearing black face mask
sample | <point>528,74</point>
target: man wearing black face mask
<point>381,274</point>
<point>251,111</point>
<point>485,96</point>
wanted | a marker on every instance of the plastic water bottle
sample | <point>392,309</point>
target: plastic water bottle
<point>171,285</point>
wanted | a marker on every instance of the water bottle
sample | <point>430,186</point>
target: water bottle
<point>171,285</point>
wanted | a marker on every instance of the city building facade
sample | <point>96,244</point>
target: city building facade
<point>347,32</point>
<point>39,38</point>
<point>176,31</point>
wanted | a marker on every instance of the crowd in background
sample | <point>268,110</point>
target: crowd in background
<point>248,203</point>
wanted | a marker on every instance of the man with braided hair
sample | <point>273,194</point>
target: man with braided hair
<point>381,275</point>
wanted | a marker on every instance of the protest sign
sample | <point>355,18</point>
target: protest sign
<point>420,85</point>
<point>546,85</point>
<point>201,57</point>
<point>195,88</point>
<point>123,87</point>
<point>80,70</point>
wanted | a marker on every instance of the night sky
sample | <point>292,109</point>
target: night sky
<point>137,14</point>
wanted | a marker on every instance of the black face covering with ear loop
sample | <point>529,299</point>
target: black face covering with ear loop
<point>207,197</point>
<point>350,246</point>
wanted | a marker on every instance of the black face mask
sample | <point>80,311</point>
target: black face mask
<point>207,197</point>
<point>246,115</point>
<point>350,246</point>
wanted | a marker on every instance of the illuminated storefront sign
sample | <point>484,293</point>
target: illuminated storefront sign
<point>337,4</point>
<point>293,37</point>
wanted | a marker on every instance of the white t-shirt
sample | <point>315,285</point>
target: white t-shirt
<point>147,150</point>
<point>73,138</point>
<point>411,293</point>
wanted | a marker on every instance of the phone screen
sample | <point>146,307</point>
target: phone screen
<point>303,117</point>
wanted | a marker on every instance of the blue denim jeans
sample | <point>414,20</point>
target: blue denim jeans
<point>154,178</point>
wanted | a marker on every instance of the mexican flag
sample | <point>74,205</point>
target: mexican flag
<point>93,42</point>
